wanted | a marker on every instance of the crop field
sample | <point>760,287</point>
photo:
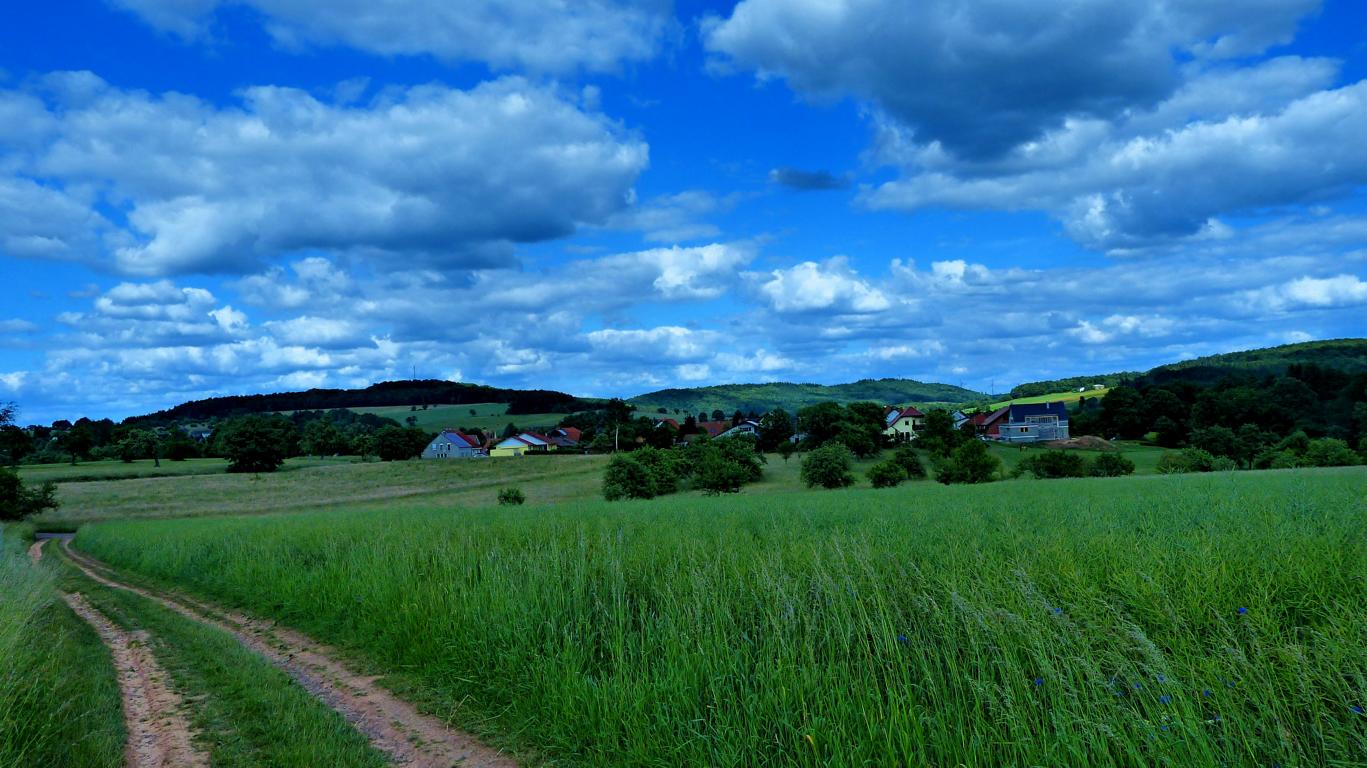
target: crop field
<point>1056,397</point>
<point>1195,620</point>
<point>490,417</point>
<point>87,471</point>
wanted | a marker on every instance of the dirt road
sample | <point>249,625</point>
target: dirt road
<point>393,725</point>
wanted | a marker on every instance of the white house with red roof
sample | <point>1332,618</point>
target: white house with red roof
<point>901,424</point>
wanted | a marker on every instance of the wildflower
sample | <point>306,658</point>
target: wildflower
<point>1137,686</point>
<point>1205,692</point>
<point>1039,681</point>
<point>1165,699</point>
<point>1357,708</point>
<point>902,639</point>
<point>1242,611</point>
<point>1058,611</point>
<point>1162,679</point>
<point>1167,727</point>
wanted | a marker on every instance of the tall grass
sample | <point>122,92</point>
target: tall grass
<point>1185,620</point>
<point>59,700</point>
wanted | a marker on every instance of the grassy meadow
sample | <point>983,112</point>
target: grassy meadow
<point>490,417</point>
<point>1056,397</point>
<point>1195,620</point>
<point>111,469</point>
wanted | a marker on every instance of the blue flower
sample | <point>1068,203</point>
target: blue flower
<point>1058,611</point>
<point>1137,686</point>
<point>1039,681</point>
<point>1162,679</point>
<point>1165,699</point>
<point>1242,611</point>
<point>1357,708</point>
<point>902,639</point>
<point>1167,727</point>
<point>1205,692</point>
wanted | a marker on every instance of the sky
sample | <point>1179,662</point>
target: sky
<point>215,197</point>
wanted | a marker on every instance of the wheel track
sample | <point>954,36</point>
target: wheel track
<point>394,726</point>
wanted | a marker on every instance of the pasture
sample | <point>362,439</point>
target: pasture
<point>1055,397</point>
<point>1168,620</point>
<point>490,417</point>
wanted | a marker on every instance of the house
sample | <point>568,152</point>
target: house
<point>959,418</point>
<point>565,438</point>
<point>454,444</point>
<point>989,424</point>
<point>748,427</point>
<point>200,433</point>
<point>522,444</point>
<point>671,423</point>
<point>901,424</point>
<point>1035,422</point>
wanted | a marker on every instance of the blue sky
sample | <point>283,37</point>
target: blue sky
<point>204,197</point>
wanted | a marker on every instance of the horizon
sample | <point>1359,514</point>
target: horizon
<point>238,198</point>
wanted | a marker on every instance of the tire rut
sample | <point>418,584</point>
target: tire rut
<point>159,735</point>
<point>394,726</point>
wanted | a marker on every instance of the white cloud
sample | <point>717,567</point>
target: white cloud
<point>831,287</point>
<point>1310,293</point>
<point>427,174</point>
<point>539,35</point>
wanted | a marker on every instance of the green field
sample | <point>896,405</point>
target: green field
<point>1056,397</point>
<point>1196,620</point>
<point>88,471</point>
<point>490,417</point>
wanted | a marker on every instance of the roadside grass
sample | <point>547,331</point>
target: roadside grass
<point>59,697</point>
<point>490,417</point>
<point>1145,457</point>
<point>89,471</point>
<point>452,483</point>
<point>248,712</point>
<point>1195,620</point>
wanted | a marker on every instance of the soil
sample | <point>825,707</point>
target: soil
<point>393,725</point>
<point>159,735</point>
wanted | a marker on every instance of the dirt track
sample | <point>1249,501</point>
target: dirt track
<point>393,726</point>
<point>159,736</point>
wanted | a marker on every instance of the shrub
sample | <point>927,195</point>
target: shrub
<point>252,444</point>
<point>828,466</point>
<point>511,497</point>
<point>665,467</point>
<point>969,463</point>
<point>906,458</point>
<point>716,474</point>
<point>1329,452</point>
<point>888,474</point>
<point>1053,464</point>
<point>627,478</point>
<point>1194,460</point>
<point>18,502</point>
<point>1111,464</point>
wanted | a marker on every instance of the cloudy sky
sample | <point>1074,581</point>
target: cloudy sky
<point>203,197</point>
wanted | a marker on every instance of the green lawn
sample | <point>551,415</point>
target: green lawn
<point>1145,457</point>
<point>1057,397</point>
<point>490,417</point>
<point>87,471</point>
<point>1194,620</point>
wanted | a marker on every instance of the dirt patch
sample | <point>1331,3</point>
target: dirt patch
<point>1085,442</point>
<point>35,552</point>
<point>393,725</point>
<point>159,736</point>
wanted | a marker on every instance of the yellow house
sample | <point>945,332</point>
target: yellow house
<point>902,423</point>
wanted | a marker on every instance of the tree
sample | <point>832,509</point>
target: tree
<point>400,443</point>
<point>322,438</point>
<point>252,444</point>
<point>828,466</point>
<point>1218,441</point>
<point>938,437</point>
<point>1052,464</point>
<point>139,444</point>
<point>786,448</point>
<point>1329,452</point>
<point>716,474</point>
<point>887,474</point>
<point>627,478</point>
<point>1122,413</point>
<point>1111,464</point>
<point>906,458</point>
<point>18,502</point>
<point>718,414</point>
<point>15,444</point>
<point>77,441</point>
<point>775,428</point>
<point>969,463</point>
<point>1170,433</point>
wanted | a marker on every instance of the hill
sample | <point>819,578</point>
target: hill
<point>1347,355</point>
<point>730,398</point>
<point>388,393</point>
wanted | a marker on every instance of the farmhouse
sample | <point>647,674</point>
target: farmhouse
<point>748,427</point>
<point>901,423</point>
<point>522,444</point>
<point>1033,422</point>
<point>454,444</point>
<point>565,438</point>
<point>989,425</point>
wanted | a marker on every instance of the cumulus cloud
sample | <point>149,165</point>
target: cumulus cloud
<point>829,287</point>
<point>427,174</point>
<point>982,77</point>
<point>538,35</point>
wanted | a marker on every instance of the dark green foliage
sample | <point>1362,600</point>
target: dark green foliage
<point>938,437</point>
<point>1037,388</point>
<point>400,443</point>
<point>775,429</point>
<point>1122,413</point>
<point>1170,434</point>
<point>253,443</point>
<point>321,437</point>
<point>1111,464</point>
<point>179,447</point>
<point>18,502</point>
<point>887,474</point>
<point>628,478</point>
<point>828,466</point>
<point>969,463</point>
<point>77,441</point>
<point>15,444</point>
<point>906,458</point>
<point>511,497</point>
<point>859,426</point>
<point>1329,452</point>
<point>715,474</point>
<point>1053,464</point>
<point>1194,460</point>
<point>1218,441</point>
<point>786,449</point>
<point>794,397</point>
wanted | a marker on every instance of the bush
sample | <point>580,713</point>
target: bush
<point>1194,460</point>
<point>888,474</point>
<point>18,502</point>
<point>511,497</point>
<point>906,458</point>
<point>969,463</point>
<point>627,478</point>
<point>716,474</point>
<point>400,443</point>
<point>828,466</point>
<point>1052,464</point>
<point>1329,452</point>
<point>1110,464</point>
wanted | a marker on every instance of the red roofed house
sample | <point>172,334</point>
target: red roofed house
<point>901,423</point>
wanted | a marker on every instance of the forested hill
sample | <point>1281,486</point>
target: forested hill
<point>424,392</point>
<point>1346,355</point>
<point>730,398</point>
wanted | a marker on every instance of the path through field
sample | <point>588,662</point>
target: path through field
<point>159,736</point>
<point>393,725</point>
